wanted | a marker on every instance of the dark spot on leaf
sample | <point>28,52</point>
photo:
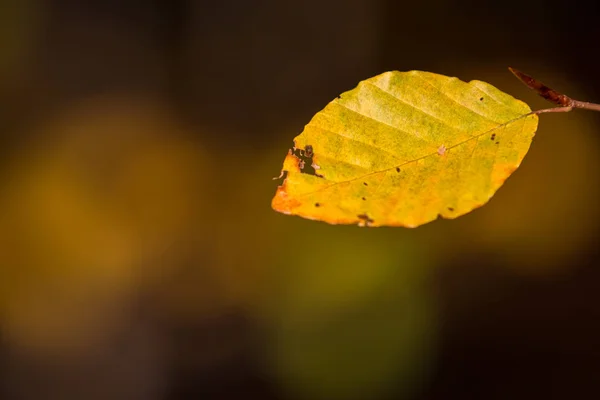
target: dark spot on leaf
<point>365,220</point>
<point>493,136</point>
<point>364,198</point>
<point>497,142</point>
<point>365,183</point>
<point>397,169</point>
<point>305,156</point>
<point>450,209</point>
<point>481,99</point>
<point>317,205</point>
<point>308,151</point>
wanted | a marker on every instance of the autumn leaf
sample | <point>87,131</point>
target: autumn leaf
<point>404,148</point>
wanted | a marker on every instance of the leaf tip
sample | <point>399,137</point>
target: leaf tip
<point>281,201</point>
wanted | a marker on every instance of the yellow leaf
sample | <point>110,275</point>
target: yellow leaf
<point>403,148</point>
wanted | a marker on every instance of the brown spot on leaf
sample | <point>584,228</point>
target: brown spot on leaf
<point>497,142</point>
<point>450,209</point>
<point>305,163</point>
<point>481,99</point>
<point>365,183</point>
<point>397,169</point>
<point>365,220</point>
<point>308,151</point>
<point>364,198</point>
<point>317,205</point>
<point>493,136</point>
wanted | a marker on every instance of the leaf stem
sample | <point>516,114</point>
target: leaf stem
<point>553,110</point>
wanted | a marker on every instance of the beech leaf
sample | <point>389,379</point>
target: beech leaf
<point>404,148</point>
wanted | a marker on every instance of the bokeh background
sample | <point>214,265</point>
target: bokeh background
<point>139,256</point>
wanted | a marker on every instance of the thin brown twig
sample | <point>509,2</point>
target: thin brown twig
<point>585,105</point>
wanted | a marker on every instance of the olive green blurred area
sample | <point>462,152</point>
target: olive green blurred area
<point>139,255</point>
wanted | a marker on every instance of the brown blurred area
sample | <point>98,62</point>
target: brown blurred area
<point>139,256</point>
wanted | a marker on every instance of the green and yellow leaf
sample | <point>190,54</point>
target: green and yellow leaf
<point>402,149</point>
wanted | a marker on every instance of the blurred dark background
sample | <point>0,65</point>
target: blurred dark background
<point>139,256</point>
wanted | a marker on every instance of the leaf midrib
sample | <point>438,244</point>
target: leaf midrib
<point>417,159</point>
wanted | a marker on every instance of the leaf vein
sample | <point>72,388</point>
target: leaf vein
<point>414,106</point>
<point>358,141</point>
<point>382,122</point>
<point>445,94</point>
